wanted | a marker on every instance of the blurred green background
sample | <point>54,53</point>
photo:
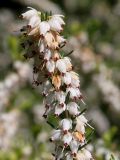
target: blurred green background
<point>93,32</point>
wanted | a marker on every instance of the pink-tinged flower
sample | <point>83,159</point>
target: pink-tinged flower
<point>47,55</point>
<point>81,123</point>
<point>67,61</point>
<point>61,66</point>
<point>74,144</point>
<point>60,97</point>
<point>60,109</point>
<point>32,12</point>
<point>75,82</point>
<point>84,154</point>
<point>50,40</point>
<point>34,31</point>
<point>44,27</point>
<point>67,138</point>
<point>60,39</point>
<point>34,22</point>
<point>56,135</point>
<point>50,65</point>
<point>66,124</point>
<point>66,78</point>
<point>72,107</point>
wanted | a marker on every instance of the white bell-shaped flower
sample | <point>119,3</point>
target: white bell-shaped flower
<point>81,123</point>
<point>60,39</point>
<point>66,124</point>
<point>74,92</point>
<point>72,107</point>
<point>59,109</point>
<point>61,66</point>
<point>67,138</point>
<point>59,19</point>
<point>56,135</point>
<point>74,146</point>
<point>44,27</point>
<point>87,154</point>
<point>67,61</point>
<point>50,65</point>
<point>84,155</point>
<point>34,21</point>
<point>60,97</point>
<point>66,78</point>
<point>55,24</point>
<point>75,82</point>
<point>32,12</point>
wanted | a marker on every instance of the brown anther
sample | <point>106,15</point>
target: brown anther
<point>36,83</point>
<point>65,132</point>
<point>44,94</point>
<point>61,105</point>
<point>21,16</point>
<point>74,154</point>
<point>69,85</point>
<point>47,106</point>
<point>75,98</point>
<point>50,74</point>
<point>29,26</point>
<point>65,145</point>
<point>45,60</point>
<point>81,97</point>
<point>45,116</point>
<point>56,115</point>
<point>62,74</point>
<point>25,34</point>
<point>50,140</point>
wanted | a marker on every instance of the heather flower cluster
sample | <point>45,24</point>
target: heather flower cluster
<point>53,74</point>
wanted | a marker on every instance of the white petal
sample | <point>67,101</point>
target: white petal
<point>67,78</point>
<point>66,124</point>
<point>59,19</point>
<point>27,15</point>
<point>60,39</point>
<point>67,138</point>
<point>41,46</point>
<point>59,109</point>
<point>55,25</point>
<point>47,55</point>
<point>50,65</point>
<point>73,108</point>
<point>34,21</point>
<point>56,135</point>
<point>61,66</point>
<point>87,154</point>
<point>74,146</point>
<point>44,27</point>
<point>60,97</point>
